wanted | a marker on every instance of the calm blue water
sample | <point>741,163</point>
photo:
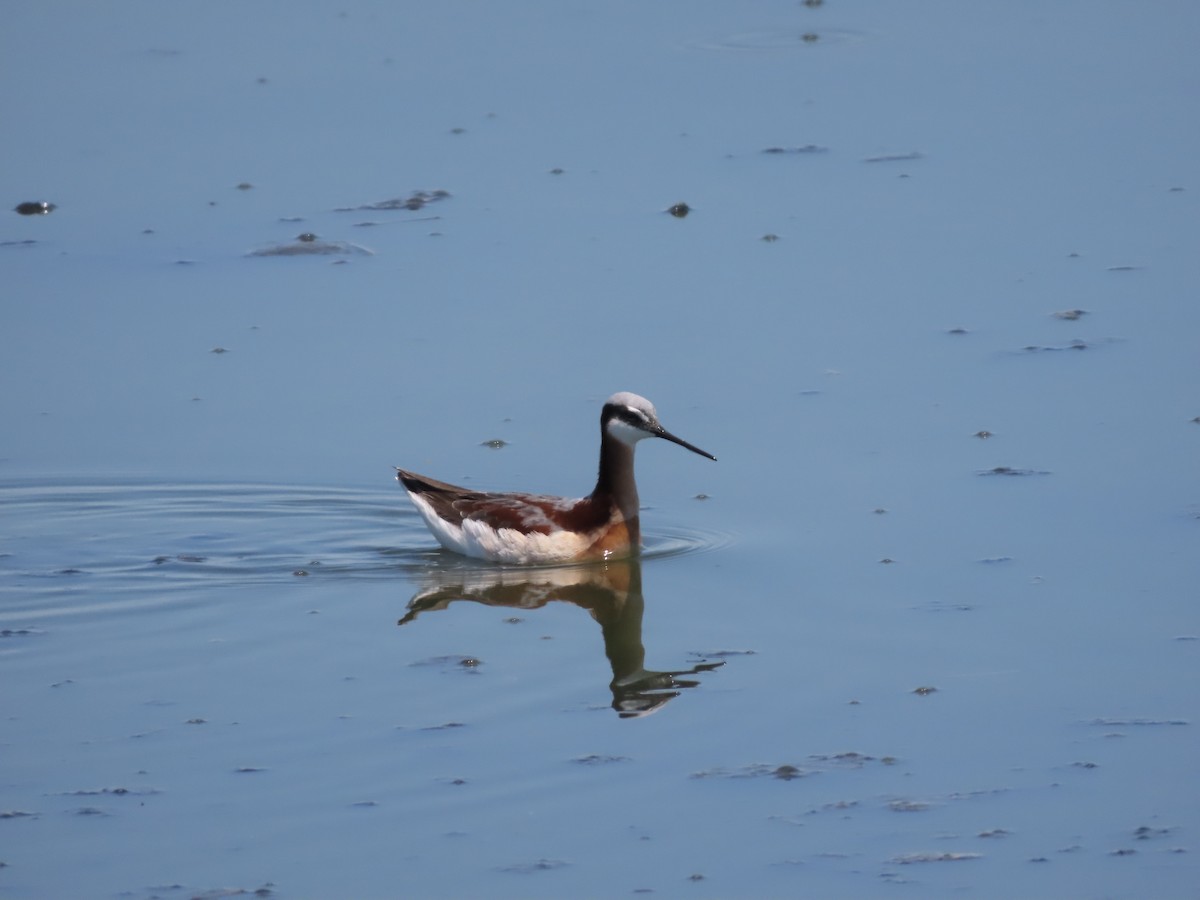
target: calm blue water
<point>884,655</point>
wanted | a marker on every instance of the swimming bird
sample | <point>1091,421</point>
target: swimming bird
<point>531,529</point>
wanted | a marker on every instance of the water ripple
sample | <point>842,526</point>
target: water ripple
<point>69,546</point>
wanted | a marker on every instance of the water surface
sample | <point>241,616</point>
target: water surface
<point>927,628</point>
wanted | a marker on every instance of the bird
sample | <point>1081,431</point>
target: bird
<point>534,529</point>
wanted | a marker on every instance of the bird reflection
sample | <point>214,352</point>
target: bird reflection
<point>611,592</point>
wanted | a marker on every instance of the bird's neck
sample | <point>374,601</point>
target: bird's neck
<point>616,476</point>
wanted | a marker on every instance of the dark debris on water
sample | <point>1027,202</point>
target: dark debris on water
<point>906,859</point>
<point>414,201</point>
<point>34,208</point>
<point>813,764</point>
<point>1054,348</point>
<point>1011,472</point>
<point>538,865</point>
<point>805,150</point>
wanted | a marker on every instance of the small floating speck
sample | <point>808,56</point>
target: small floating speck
<point>34,208</point>
<point>701,497</point>
<point>908,806</point>
<point>1011,472</point>
<point>1055,348</point>
<point>906,859</point>
<point>218,350</point>
<point>1145,832</point>
<point>944,606</point>
<point>495,444</point>
<point>679,210</point>
<point>557,171</point>
<point>879,511</point>
<point>596,759</point>
<point>415,200</point>
<point>1122,851</point>
<point>245,186</point>
<point>1070,315</point>
<point>540,865</point>
<point>810,37</point>
<point>805,150</point>
<point>1124,268</point>
<point>249,770</point>
<point>301,573</point>
<point>894,157</point>
<point>982,435</point>
<point>957,331</point>
<point>887,561</point>
<point>110,792</point>
<point>769,238</point>
<point>924,690</point>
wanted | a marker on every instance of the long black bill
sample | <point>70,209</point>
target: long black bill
<point>663,433</point>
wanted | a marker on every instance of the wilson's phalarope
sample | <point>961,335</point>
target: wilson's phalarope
<point>527,529</point>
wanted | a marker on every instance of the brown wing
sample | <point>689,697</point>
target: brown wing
<point>523,512</point>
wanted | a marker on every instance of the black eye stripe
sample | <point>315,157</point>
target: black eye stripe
<point>631,417</point>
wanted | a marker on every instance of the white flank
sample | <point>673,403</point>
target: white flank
<point>505,545</point>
